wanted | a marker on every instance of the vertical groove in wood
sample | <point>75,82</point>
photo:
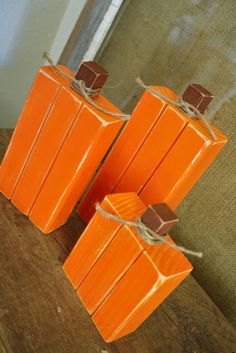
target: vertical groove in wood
<point>187,160</point>
<point>142,121</point>
<point>27,130</point>
<point>45,151</point>
<point>151,278</point>
<point>98,234</point>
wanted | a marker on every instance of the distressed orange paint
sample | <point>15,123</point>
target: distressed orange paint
<point>98,234</point>
<point>118,276</point>
<point>119,255</point>
<point>31,121</point>
<point>44,153</point>
<point>82,151</point>
<point>151,278</point>
<point>153,151</point>
<point>187,160</point>
<point>58,126</point>
<point>141,123</point>
<point>161,166</point>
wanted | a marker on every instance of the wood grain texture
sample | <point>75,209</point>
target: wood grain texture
<point>40,311</point>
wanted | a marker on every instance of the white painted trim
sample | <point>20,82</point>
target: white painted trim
<point>71,15</point>
<point>102,30</point>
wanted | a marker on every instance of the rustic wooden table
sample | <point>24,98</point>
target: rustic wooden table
<point>40,312</point>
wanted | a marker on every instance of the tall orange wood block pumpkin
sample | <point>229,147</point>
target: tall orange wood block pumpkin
<point>65,113</point>
<point>37,107</point>
<point>70,144</point>
<point>83,150</point>
<point>129,278</point>
<point>143,119</point>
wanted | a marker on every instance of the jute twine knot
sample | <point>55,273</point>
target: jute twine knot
<point>86,92</point>
<point>147,234</point>
<point>186,107</point>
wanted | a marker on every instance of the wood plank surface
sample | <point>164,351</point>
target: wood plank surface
<point>40,311</point>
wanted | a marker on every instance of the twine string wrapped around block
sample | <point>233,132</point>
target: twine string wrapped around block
<point>186,107</point>
<point>147,234</point>
<point>86,92</point>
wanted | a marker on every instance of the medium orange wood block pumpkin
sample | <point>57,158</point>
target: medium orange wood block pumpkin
<point>150,174</point>
<point>98,235</point>
<point>194,150</point>
<point>143,119</point>
<point>152,277</point>
<point>190,156</point>
<point>40,100</point>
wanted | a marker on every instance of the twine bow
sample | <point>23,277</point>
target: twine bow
<point>146,233</point>
<point>86,92</point>
<point>186,107</point>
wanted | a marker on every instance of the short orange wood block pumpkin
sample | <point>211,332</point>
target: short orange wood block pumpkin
<point>127,278</point>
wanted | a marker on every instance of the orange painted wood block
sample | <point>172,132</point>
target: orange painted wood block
<point>153,151</point>
<point>37,107</point>
<point>83,150</point>
<point>53,134</point>
<point>98,234</point>
<point>187,160</point>
<point>152,277</point>
<point>119,255</point>
<point>141,123</point>
<point>167,163</point>
<point>118,276</point>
